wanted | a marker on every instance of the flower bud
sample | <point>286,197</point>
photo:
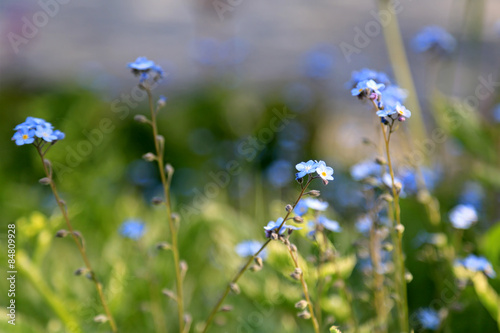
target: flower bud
<point>157,201</point>
<point>388,247</point>
<point>184,267</point>
<point>293,247</point>
<point>386,197</point>
<point>298,219</point>
<point>255,268</point>
<point>101,318</point>
<point>163,246</point>
<point>408,277</point>
<point>45,181</point>
<point>62,233</point>
<point>170,294</point>
<point>304,315</point>
<point>235,288</point>
<point>226,308</point>
<point>141,119</point>
<point>301,304</point>
<point>288,208</point>
<point>380,160</point>
<point>150,157</point>
<point>274,236</point>
<point>314,193</point>
<point>169,169</point>
<point>400,229</point>
<point>81,271</point>
<point>258,261</point>
<point>160,139</point>
<point>402,118</point>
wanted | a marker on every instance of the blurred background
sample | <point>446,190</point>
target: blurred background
<point>232,67</point>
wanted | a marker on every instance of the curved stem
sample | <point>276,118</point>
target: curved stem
<point>305,290</point>
<point>79,244</point>
<point>173,229</point>
<point>235,279</point>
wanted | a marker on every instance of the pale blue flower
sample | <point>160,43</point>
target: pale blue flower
<point>367,87</point>
<point>301,208</point>
<point>133,229</point>
<point>279,172</point>
<point>463,216</point>
<point>315,204</point>
<point>393,95</point>
<point>141,64</point>
<point>329,224</point>
<point>365,169</point>
<point>24,135</point>
<point>305,168</point>
<point>45,132</point>
<point>429,318</point>
<point>434,38</point>
<point>249,248</point>
<point>477,264</point>
<point>324,171</point>
<point>368,74</point>
<point>318,63</point>
<point>271,226</point>
<point>473,194</point>
<point>364,224</point>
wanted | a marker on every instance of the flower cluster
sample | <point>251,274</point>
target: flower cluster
<point>434,38</point>
<point>324,172</point>
<point>387,98</point>
<point>272,226</point>
<point>477,264</point>
<point>463,216</point>
<point>146,69</point>
<point>36,130</point>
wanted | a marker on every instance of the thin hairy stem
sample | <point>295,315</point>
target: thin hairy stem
<point>173,230</point>
<point>235,279</point>
<point>305,290</point>
<point>79,244</point>
<point>378,279</point>
<point>402,300</point>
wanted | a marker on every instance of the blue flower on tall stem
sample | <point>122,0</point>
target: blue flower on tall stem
<point>272,226</point>
<point>368,74</point>
<point>133,229</point>
<point>463,216</point>
<point>24,135</point>
<point>477,264</point>
<point>329,224</point>
<point>324,171</point>
<point>305,168</point>
<point>434,38</point>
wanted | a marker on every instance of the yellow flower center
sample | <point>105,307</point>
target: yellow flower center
<point>323,174</point>
<point>25,136</point>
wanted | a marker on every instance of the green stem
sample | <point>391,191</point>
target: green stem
<point>173,229</point>
<point>402,300</point>
<point>79,244</point>
<point>306,291</point>
<point>235,279</point>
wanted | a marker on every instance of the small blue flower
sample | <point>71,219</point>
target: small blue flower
<point>472,194</point>
<point>249,248</point>
<point>301,208</point>
<point>496,112</point>
<point>434,38</point>
<point>318,63</point>
<point>393,95</point>
<point>141,64</point>
<point>59,135</point>
<point>365,169</point>
<point>367,87</point>
<point>133,229</point>
<point>324,171</point>
<point>477,264</point>
<point>45,132</point>
<point>429,318</point>
<point>364,224</point>
<point>271,226</point>
<point>463,216</point>
<point>24,135</point>
<point>368,74</point>
<point>315,204</point>
<point>279,172</point>
<point>305,168</point>
<point>329,224</point>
